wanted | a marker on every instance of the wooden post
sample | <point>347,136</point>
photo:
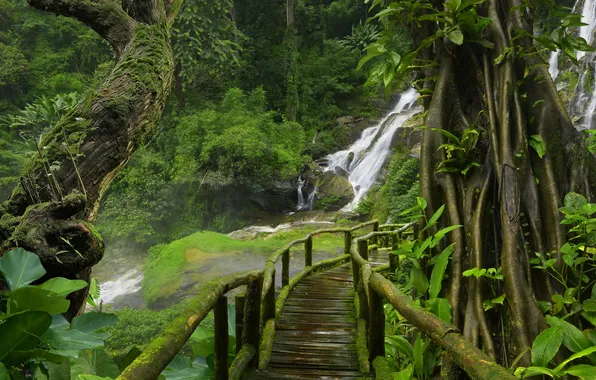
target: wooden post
<point>269,302</point>
<point>347,242</point>
<point>252,315</point>
<point>375,239</point>
<point>285,268</point>
<point>308,251</point>
<point>394,259</point>
<point>363,302</point>
<point>240,301</point>
<point>376,325</point>
<point>220,315</point>
<point>355,274</point>
<point>363,248</point>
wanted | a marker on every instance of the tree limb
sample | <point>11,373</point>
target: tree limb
<point>106,17</point>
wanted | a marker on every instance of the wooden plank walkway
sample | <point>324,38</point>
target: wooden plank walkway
<point>316,332</point>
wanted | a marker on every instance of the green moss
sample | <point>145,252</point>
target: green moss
<point>266,344</point>
<point>382,370</point>
<point>361,346</point>
<point>166,264</point>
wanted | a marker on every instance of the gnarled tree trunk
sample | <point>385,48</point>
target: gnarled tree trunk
<point>50,211</point>
<point>508,205</point>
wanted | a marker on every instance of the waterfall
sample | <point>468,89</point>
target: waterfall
<point>311,198</point>
<point>589,18</point>
<point>372,149</point>
<point>300,203</point>
<point>553,64</point>
<point>583,106</point>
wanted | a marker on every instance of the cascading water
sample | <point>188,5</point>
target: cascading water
<point>300,204</point>
<point>553,64</point>
<point>365,158</point>
<point>583,105</point>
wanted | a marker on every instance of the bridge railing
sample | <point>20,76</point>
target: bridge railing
<point>162,350</point>
<point>271,307</point>
<point>256,313</point>
<point>372,288</point>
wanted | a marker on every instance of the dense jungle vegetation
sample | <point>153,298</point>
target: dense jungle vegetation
<point>157,127</point>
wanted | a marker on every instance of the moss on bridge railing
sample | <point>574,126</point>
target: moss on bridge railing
<point>372,287</point>
<point>259,315</point>
<point>160,352</point>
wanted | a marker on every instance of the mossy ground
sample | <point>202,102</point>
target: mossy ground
<point>190,262</point>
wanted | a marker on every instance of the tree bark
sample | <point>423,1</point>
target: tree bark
<point>51,210</point>
<point>508,206</point>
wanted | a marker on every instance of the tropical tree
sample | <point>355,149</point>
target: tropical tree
<point>499,150</point>
<point>51,209</point>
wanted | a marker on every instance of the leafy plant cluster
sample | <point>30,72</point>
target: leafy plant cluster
<point>35,340</point>
<point>417,357</point>
<point>201,171</point>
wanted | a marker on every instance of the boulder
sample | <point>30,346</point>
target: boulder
<point>345,120</point>
<point>333,186</point>
<point>408,135</point>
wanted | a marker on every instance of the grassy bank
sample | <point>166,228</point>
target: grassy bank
<point>200,257</point>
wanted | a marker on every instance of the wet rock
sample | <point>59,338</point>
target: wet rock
<point>342,172</point>
<point>332,186</point>
<point>345,120</point>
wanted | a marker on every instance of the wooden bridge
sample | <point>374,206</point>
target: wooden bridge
<point>327,322</point>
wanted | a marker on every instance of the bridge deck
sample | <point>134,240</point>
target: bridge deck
<point>316,332</point>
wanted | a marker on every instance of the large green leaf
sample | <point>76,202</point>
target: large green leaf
<point>73,340</point>
<point>35,298</point>
<point>536,142</point>
<point>62,286</point>
<point>4,373</point>
<point>93,321</point>
<point>523,372</point>
<point>419,280</point>
<point>93,362</point>
<point>441,308</point>
<point>16,357</point>
<point>583,371</point>
<point>419,356</point>
<point>581,354</point>
<point>20,268</point>
<point>573,338</point>
<point>405,374</point>
<point>433,220</point>
<point>401,345</point>
<point>23,331</point>
<point>436,277</point>
<point>546,345</point>
<point>574,200</point>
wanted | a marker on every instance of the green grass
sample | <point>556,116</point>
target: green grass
<point>166,264</point>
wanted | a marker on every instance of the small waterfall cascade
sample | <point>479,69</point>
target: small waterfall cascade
<point>589,18</point>
<point>311,198</point>
<point>365,158</point>
<point>300,204</point>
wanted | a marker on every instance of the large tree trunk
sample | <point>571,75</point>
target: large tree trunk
<point>50,211</point>
<point>508,206</point>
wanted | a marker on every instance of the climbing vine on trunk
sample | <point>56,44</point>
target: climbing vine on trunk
<point>499,150</point>
<point>50,211</point>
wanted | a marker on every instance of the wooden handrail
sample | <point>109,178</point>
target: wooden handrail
<point>372,287</point>
<point>160,352</point>
<point>260,311</point>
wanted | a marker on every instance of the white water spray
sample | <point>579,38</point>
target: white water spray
<point>371,151</point>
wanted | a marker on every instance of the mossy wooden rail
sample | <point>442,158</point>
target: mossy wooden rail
<point>259,312</point>
<point>371,288</point>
